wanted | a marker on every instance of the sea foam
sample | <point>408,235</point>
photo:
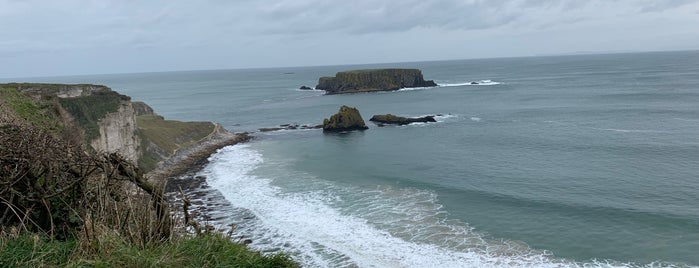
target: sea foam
<point>382,227</point>
<point>486,82</point>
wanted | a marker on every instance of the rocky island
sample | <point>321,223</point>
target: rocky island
<point>399,120</point>
<point>347,119</point>
<point>373,80</point>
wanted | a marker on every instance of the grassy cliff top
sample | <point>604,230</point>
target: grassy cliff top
<point>168,136</point>
<point>377,70</point>
<point>48,85</point>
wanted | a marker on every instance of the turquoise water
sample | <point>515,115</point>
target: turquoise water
<point>559,161</point>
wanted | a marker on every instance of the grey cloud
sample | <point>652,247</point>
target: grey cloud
<point>368,16</point>
<point>659,6</point>
<point>240,33</point>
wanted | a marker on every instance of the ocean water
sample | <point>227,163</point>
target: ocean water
<point>563,161</point>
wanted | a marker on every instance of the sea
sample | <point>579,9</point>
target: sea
<point>556,161</point>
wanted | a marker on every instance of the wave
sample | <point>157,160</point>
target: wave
<point>411,88</point>
<point>632,130</point>
<point>687,120</point>
<point>472,83</point>
<point>321,224</point>
<point>308,90</point>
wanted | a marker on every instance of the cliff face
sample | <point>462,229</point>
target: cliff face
<point>104,120</point>
<point>118,133</point>
<point>373,80</point>
<point>162,139</point>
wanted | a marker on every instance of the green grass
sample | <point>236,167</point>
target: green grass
<point>47,85</point>
<point>34,251</point>
<point>209,250</point>
<point>38,114</point>
<point>88,110</point>
<point>168,135</point>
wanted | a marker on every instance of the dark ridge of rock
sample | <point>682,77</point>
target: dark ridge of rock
<point>305,88</point>
<point>348,118</point>
<point>289,127</point>
<point>373,80</point>
<point>141,108</point>
<point>399,120</point>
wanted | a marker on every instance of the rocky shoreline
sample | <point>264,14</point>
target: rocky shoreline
<point>192,159</point>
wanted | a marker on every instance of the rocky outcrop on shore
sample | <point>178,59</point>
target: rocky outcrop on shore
<point>347,119</point>
<point>373,80</point>
<point>109,122</point>
<point>194,157</point>
<point>399,120</point>
<point>289,127</point>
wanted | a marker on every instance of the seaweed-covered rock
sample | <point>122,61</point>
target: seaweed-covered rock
<point>399,120</point>
<point>348,118</point>
<point>373,80</point>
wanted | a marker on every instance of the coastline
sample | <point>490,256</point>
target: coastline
<point>193,158</point>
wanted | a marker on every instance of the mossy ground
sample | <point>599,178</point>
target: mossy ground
<point>88,110</point>
<point>36,113</point>
<point>169,135</point>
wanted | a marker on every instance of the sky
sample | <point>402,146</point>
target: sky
<point>74,37</point>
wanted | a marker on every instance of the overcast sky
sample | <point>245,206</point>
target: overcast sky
<point>41,38</point>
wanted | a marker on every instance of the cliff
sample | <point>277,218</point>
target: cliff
<point>61,193</point>
<point>373,80</point>
<point>104,120</point>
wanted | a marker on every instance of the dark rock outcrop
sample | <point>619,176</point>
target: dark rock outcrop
<point>398,120</point>
<point>348,118</point>
<point>305,88</point>
<point>141,108</point>
<point>289,127</point>
<point>373,80</point>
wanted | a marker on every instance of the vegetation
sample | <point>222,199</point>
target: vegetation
<point>88,110</point>
<point>167,135</point>
<point>38,114</point>
<point>63,206</point>
<point>206,250</point>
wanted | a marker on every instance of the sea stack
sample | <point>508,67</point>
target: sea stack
<point>399,120</point>
<point>373,80</point>
<point>347,119</point>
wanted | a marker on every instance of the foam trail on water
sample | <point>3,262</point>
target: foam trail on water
<point>384,227</point>
<point>486,82</point>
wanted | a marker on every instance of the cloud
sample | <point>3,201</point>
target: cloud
<point>284,32</point>
<point>369,16</point>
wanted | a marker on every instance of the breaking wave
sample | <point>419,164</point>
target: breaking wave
<point>472,83</point>
<point>322,224</point>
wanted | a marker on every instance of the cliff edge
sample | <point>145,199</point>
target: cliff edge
<point>106,121</point>
<point>373,80</point>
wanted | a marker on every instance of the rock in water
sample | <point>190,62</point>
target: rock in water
<point>373,80</point>
<point>398,120</point>
<point>305,88</point>
<point>348,118</point>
